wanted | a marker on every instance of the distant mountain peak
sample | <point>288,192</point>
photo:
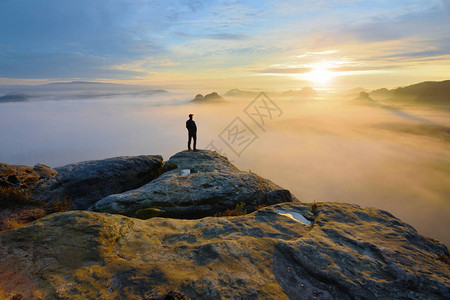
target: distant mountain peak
<point>304,92</point>
<point>76,82</point>
<point>363,99</point>
<point>209,98</point>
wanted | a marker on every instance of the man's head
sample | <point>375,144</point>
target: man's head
<point>190,116</point>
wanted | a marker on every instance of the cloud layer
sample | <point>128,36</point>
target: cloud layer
<point>397,160</point>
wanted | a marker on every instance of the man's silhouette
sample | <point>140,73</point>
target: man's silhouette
<point>192,131</point>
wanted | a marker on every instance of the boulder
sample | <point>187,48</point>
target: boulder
<point>24,177</point>
<point>16,185</point>
<point>199,184</point>
<point>284,251</point>
<point>85,183</point>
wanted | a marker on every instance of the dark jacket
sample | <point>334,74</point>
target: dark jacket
<point>191,127</point>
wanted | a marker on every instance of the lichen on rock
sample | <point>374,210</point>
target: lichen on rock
<point>348,252</point>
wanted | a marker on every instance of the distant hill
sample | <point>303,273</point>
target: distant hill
<point>363,99</point>
<point>13,98</point>
<point>81,85</point>
<point>73,90</point>
<point>240,93</point>
<point>78,82</point>
<point>381,94</point>
<point>304,92</point>
<point>428,92</point>
<point>354,92</point>
<point>209,98</point>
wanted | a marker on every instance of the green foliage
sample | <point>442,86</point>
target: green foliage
<point>314,208</point>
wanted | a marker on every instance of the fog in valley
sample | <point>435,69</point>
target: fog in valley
<point>394,158</point>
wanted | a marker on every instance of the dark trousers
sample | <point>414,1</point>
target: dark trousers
<point>192,135</point>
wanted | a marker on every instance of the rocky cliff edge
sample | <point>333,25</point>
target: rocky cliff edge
<point>289,250</point>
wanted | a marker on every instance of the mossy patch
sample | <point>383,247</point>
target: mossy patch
<point>148,213</point>
<point>169,167</point>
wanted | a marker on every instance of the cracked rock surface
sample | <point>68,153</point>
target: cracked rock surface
<point>86,182</point>
<point>348,252</point>
<point>196,185</point>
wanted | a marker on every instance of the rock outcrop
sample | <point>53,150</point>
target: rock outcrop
<point>363,99</point>
<point>85,183</point>
<point>199,184</point>
<point>346,252</point>
<point>16,186</point>
<point>209,98</point>
<point>198,97</point>
<point>24,177</point>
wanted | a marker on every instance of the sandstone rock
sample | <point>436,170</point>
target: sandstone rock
<point>85,183</point>
<point>24,177</point>
<point>171,296</point>
<point>16,185</point>
<point>347,252</point>
<point>212,185</point>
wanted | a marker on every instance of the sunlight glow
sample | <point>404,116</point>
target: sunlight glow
<point>319,76</point>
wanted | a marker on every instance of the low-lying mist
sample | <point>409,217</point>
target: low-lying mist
<point>393,159</point>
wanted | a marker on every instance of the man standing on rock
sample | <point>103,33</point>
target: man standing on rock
<point>192,132</point>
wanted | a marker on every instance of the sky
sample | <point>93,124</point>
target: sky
<point>277,44</point>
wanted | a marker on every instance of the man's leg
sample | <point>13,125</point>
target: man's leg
<point>189,142</point>
<point>194,136</point>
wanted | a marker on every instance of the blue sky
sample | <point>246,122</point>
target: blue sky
<point>223,42</point>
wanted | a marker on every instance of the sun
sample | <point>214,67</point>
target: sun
<point>319,76</point>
